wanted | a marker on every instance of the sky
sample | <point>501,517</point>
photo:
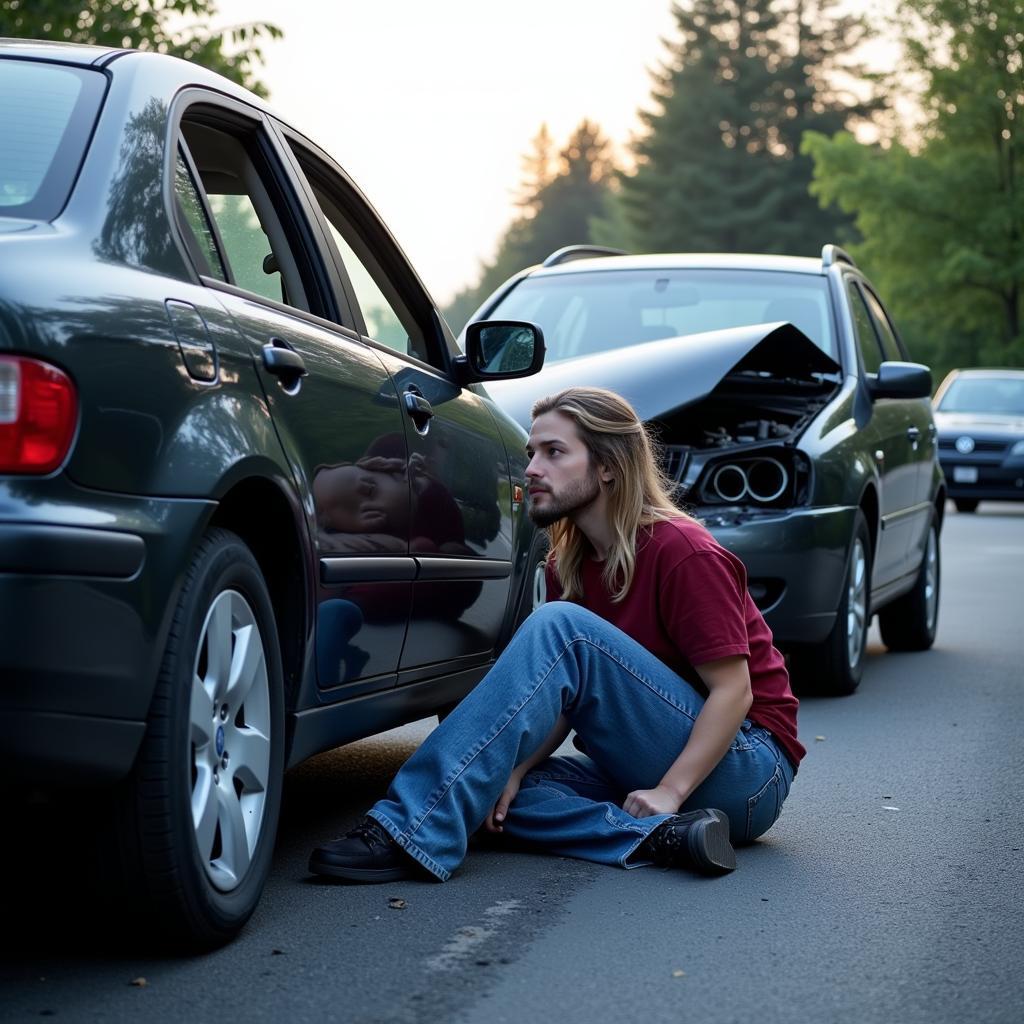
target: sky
<point>431,106</point>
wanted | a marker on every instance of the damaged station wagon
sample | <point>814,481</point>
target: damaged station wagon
<point>791,422</point>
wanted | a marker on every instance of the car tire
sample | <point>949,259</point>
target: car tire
<point>198,819</point>
<point>911,621</point>
<point>834,666</point>
<point>966,504</point>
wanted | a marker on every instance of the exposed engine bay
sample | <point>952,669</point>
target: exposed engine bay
<point>736,447</point>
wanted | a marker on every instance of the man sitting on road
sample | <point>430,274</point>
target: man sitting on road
<point>650,648</point>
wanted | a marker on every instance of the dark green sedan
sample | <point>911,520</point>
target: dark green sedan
<point>253,500</point>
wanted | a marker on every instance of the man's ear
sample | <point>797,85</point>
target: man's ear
<point>604,474</point>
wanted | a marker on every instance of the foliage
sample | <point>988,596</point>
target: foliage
<point>160,25</point>
<point>719,166</point>
<point>559,199</point>
<point>942,221</point>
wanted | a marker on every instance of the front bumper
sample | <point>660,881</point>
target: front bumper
<point>88,583</point>
<point>973,478</point>
<point>796,565</point>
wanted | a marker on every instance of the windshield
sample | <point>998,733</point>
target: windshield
<point>46,116</point>
<point>584,313</point>
<point>1000,395</point>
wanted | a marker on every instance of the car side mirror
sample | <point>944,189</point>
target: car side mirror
<point>901,380</point>
<point>501,350</point>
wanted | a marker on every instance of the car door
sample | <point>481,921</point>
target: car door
<point>460,527</point>
<point>887,442</point>
<point>921,435</point>
<point>330,396</point>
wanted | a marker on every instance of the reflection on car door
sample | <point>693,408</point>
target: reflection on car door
<point>340,423</point>
<point>461,527</point>
<point>888,442</point>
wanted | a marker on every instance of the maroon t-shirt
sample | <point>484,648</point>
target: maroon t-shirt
<point>689,604</point>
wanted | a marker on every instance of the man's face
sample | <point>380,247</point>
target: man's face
<point>368,497</point>
<point>561,478</point>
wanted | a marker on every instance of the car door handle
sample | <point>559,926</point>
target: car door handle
<point>280,359</point>
<point>417,406</point>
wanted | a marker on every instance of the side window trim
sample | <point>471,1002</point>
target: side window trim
<point>871,294</point>
<point>211,221</point>
<point>854,283</point>
<point>229,115</point>
<point>421,308</point>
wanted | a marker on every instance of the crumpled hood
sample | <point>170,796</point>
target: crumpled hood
<point>659,377</point>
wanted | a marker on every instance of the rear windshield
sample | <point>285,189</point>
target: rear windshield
<point>586,312</point>
<point>47,112</point>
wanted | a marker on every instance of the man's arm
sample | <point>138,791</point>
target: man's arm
<point>508,794</point>
<point>729,700</point>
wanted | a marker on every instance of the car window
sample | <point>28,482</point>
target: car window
<point>1001,395</point>
<point>890,345</point>
<point>867,340</point>
<point>584,312</point>
<point>388,317</point>
<point>46,118</point>
<point>257,253</point>
<point>196,221</point>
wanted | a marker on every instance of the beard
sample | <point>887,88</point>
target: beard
<point>572,499</point>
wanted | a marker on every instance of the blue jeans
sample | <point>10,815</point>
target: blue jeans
<point>633,714</point>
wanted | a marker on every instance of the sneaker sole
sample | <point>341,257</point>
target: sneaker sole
<point>710,847</point>
<point>318,866</point>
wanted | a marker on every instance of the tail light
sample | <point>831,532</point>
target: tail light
<point>38,414</point>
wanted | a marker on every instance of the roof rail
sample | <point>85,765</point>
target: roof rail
<point>833,254</point>
<point>568,253</point>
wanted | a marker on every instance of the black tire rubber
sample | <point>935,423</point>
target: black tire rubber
<point>966,504</point>
<point>163,873</point>
<point>825,668</point>
<point>904,624</point>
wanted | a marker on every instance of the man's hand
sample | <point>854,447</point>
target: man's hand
<point>495,819</point>
<point>642,803</point>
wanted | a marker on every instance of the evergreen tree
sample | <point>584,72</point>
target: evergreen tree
<point>558,209</point>
<point>943,222</point>
<point>719,167</point>
<point>145,25</point>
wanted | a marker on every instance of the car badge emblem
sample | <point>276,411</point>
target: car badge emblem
<point>965,445</point>
<point>220,740</point>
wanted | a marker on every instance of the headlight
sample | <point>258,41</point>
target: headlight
<point>1018,448</point>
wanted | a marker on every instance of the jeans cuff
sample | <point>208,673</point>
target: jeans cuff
<point>624,860</point>
<point>409,847</point>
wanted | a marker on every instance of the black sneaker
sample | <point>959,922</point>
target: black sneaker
<point>697,840</point>
<point>366,854</point>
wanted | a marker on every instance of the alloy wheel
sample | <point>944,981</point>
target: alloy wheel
<point>931,579</point>
<point>230,729</point>
<point>856,603</point>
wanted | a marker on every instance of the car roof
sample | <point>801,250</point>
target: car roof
<point>65,53</point>
<point>688,261</point>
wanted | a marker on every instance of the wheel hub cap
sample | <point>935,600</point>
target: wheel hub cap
<point>230,711</point>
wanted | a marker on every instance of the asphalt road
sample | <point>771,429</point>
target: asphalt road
<point>890,890</point>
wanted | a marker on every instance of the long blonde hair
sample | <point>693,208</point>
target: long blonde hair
<point>638,490</point>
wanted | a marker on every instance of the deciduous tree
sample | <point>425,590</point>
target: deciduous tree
<point>943,219</point>
<point>177,27</point>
